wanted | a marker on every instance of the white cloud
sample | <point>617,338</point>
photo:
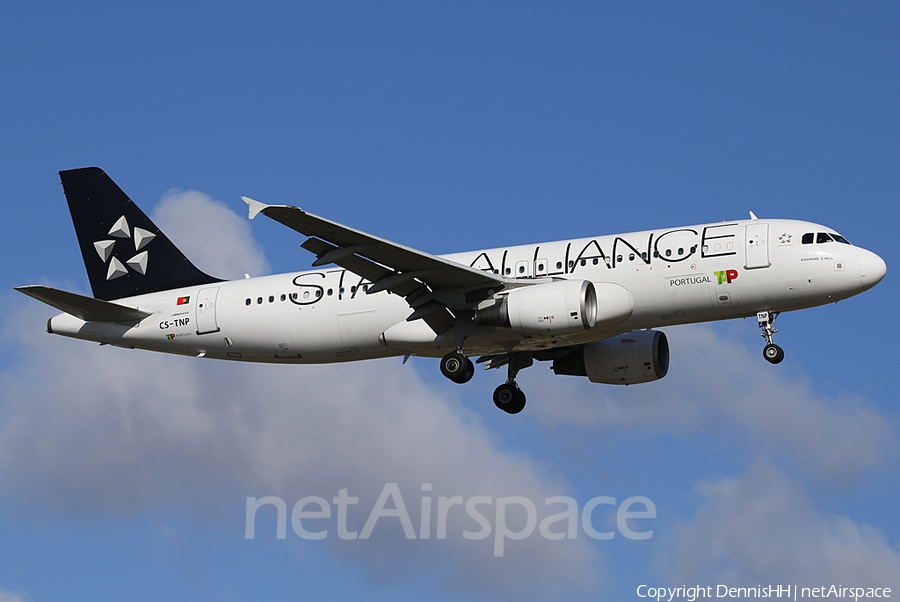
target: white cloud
<point>88,430</point>
<point>211,235</point>
<point>124,432</point>
<point>717,385</point>
<point>760,528</point>
<point>6,596</point>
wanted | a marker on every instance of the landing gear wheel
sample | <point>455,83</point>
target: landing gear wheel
<point>773,353</point>
<point>509,398</point>
<point>457,367</point>
<point>470,371</point>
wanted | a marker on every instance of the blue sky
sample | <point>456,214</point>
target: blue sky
<point>447,127</point>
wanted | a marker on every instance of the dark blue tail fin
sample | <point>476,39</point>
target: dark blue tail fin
<point>124,252</point>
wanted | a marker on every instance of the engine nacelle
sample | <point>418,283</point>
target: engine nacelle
<point>552,309</point>
<point>628,359</point>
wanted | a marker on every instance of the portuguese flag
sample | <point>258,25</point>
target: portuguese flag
<point>183,301</point>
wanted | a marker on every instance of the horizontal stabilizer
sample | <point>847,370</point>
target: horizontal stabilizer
<point>83,308</point>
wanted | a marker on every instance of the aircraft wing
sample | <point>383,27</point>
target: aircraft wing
<point>388,265</point>
<point>83,308</point>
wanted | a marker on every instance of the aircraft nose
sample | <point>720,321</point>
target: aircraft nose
<point>871,269</point>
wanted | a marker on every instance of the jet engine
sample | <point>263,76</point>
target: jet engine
<point>552,309</point>
<point>628,359</point>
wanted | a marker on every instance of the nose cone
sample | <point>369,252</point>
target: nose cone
<point>871,269</point>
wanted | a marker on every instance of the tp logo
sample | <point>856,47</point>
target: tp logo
<point>726,276</point>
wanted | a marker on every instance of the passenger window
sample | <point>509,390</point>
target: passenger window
<point>341,291</point>
<point>822,237</point>
<point>631,257</point>
<point>584,262</point>
<point>248,301</point>
<point>283,296</point>
<point>294,296</point>
<point>508,271</point>
<point>521,269</point>
<point>571,264</point>
<point>306,294</point>
<point>558,265</point>
<point>680,251</point>
<point>540,267</point>
<point>644,255</point>
<point>808,238</point>
<point>619,258</point>
<point>318,293</point>
<point>668,252</point>
<point>656,254</point>
<point>330,292</point>
<point>259,299</point>
<point>352,290</point>
<point>271,298</point>
<point>596,261</point>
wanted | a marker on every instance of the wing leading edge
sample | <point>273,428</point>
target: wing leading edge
<point>430,284</point>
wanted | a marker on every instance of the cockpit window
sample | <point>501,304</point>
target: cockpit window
<point>808,238</point>
<point>840,239</point>
<point>822,237</point>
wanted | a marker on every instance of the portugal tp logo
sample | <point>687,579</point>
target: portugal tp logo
<point>726,276</point>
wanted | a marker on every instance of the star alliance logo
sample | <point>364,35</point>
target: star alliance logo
<point>138,262</point>
<point>784,239</point>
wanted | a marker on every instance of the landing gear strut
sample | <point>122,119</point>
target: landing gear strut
<point>508,396</point>
<point>457,367</point>
<point>772,352</point>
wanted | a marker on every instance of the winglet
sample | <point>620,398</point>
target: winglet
<point>753,215</point>
<point>255,206</point>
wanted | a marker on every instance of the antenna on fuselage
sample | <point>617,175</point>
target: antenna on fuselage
<point>753,215</point>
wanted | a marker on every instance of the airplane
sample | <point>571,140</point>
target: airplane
<point>590,306</point>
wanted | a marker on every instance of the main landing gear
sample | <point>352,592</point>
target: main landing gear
<point>772,352</point>
<point>508,396</point>
<point>457,367</point>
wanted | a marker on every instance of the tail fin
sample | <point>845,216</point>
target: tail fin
<point>124,252</point>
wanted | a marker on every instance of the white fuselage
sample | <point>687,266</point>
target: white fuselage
<point>674,276</point>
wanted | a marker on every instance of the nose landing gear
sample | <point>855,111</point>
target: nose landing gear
<point>772,352</point>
